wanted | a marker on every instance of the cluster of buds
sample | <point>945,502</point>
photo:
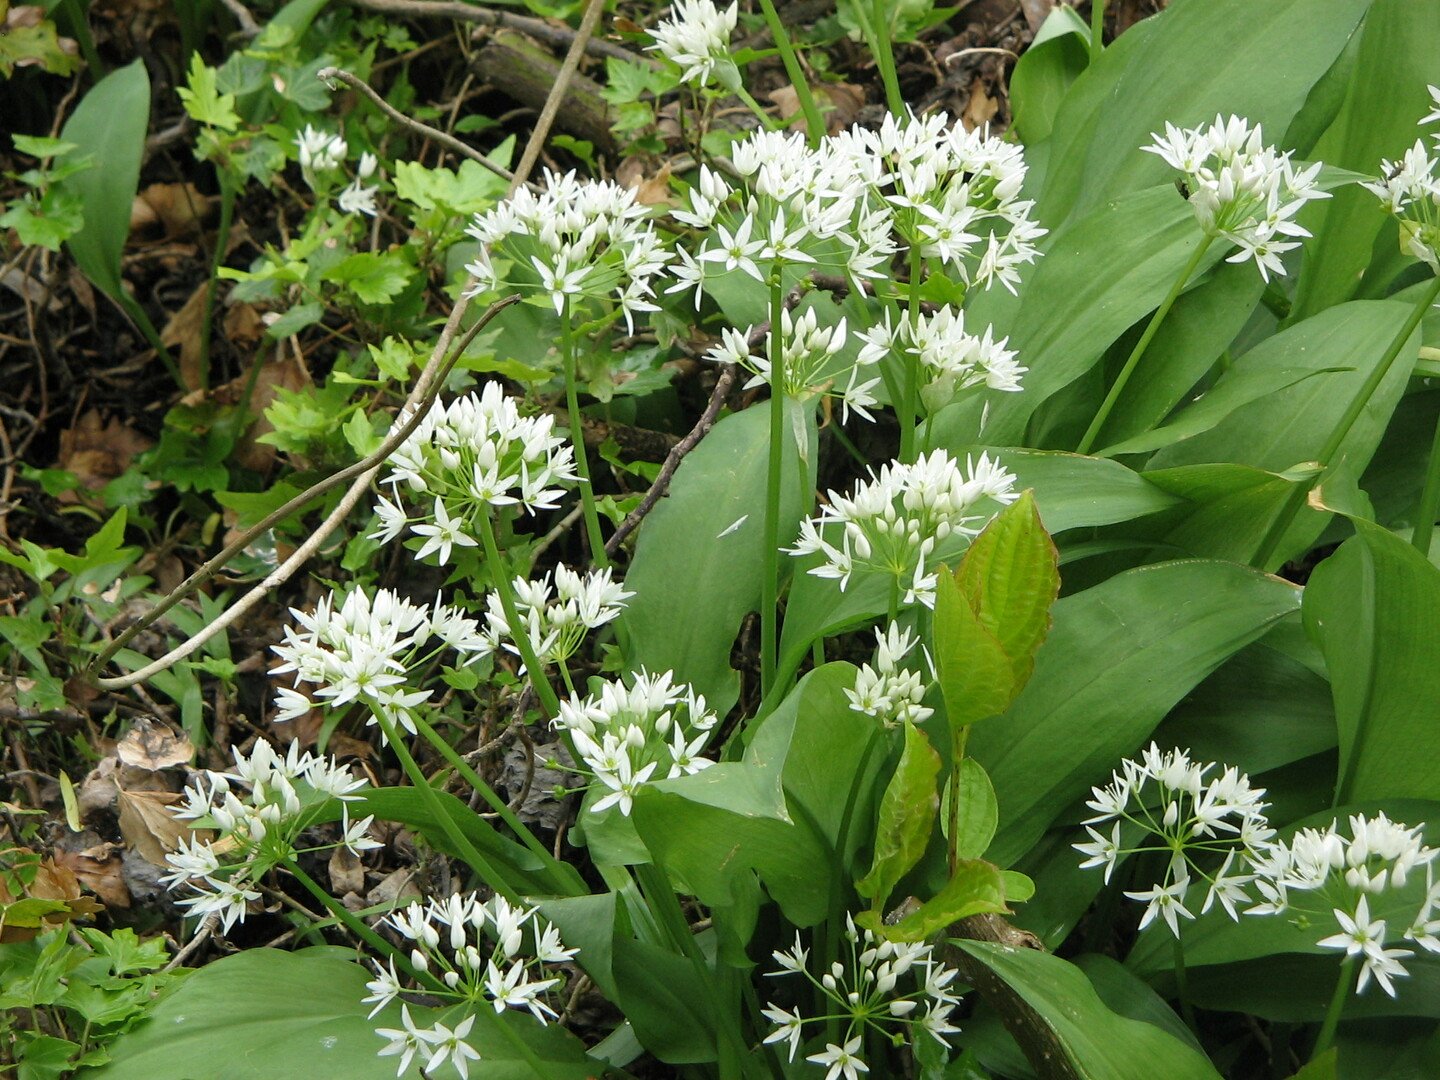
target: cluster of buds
<point>556,617</point>
<point>629,735</point>
<point>899,522</point>
<point>696,39</point>
<point>259,809</point>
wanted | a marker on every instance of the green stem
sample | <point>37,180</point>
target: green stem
<point>814,122</point>
<point>448,826</point>
<point>543,690</point>
<point>570,882</point>
<point>1301,491</point>
<point>356,926</point>
<point>1429,504</point>
<point>80,28</point>
<point>766,120</point>
<point>770,557</point>
<point>885,57</point>
<point>910,406</point>
<point>1136,353</point>
<point>1335,1008</point>
<point>577,441</point>
<point>222,241</point>
<point>1097,29</point>
<point>958,742</point>
<point>1182,987</point>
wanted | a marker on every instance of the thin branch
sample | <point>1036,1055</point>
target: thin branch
<point>559,36</point>
<point>331,74</point>
<point>672,460</point>
<point>248,26</point>
<point>591,19</point>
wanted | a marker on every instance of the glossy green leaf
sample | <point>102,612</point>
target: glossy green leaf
<point>975,675</point>
<point>907,817</point>
<point>109,125</point>
<point>1195,59</point>
<point>256,1014</point>
<point>1099,1042</point>
<point>978,814</point>
<point>975,888</point>
<point>665,1000</point>
<point>1231,507</point>
<point>1120,656</point>
<point>1373,608</point>
<point>696,570</point>
<point>1075,492</point>
<point>1398,55</point>
<point>1057,56</point>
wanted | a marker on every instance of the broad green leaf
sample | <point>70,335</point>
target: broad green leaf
<point>109,125</point>
<point>1059,53</point>
<point>696,570</point>
<point>1193,60</point>
<point>975,888</point>
<point>1324,1066</point>
<point>1074,492</point>
<point>978,814</point>
<point>1119,657</point>
<point>976,677</point>
<point>1011,577</point>
<point>1398,55</point>
<point>1231,507</point>
<point>1127,995</point>
<point>258,1014</point>
<point>1373,608</point>
<point>1099,1042</point>
<point>663,997</point>
<point>907,816</point>
<point>373,278</point>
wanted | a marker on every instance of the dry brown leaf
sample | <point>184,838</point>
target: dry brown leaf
<point>981,108</point>
<point>347,873</point>
<point>99,869</point>
<point>97,451</point>
<point>243,325</point>
<point>183,332</point>
<point>147,826</point>
<point>655,190</point>
<point>839,102</point>
<point>169,211</point>
<point>152,744</point>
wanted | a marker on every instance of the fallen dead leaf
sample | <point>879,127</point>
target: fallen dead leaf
<point>147,826</point>
<point>981,108</point>
<point>168,212</point>
<point>97,451</point>
<point>51,882</point>
<point>184,331</point>
<point>347,873</point>
<point>242,324</point>
<point>99,869</point>
<point>655,190</point>
<point>839,102</point>
<point>273,375</point>
<point>154,745</point>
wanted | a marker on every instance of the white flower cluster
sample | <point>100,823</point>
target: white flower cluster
<point>1410,190</point>
<point>696,39</point>
<point>476,453</point>
<point>556,617</point>
<point>889,692</point>
<point>476,951</point>
<point>951,193</point>
<point>869,992</point>
<point>810,358</point>
<point>358,197</point>
<point>575,238</point>
<point>319,152</point>
<point>1240,189</point>
<point>277,799</point>
<point>950,359</point>
<point>897,522</point>
<point>362,650</point>
<point>1321,871</point>
<point>627,736</point>
<point>1167,799</point>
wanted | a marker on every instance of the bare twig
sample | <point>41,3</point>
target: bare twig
<point>202,935</point>
<point>558,36</point>
<point>248,26</point>
<point>593,10</point>
<point>673,459</point>
<point>448,141</point>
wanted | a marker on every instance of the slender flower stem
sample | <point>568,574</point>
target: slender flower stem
<point>543,690</point>
<point>766,120</point>
<point>556,869</point>
<point>1093,432</point>
<point>448,826</point>
<point>356,926</point>
<point>885,56</point>
<point>770,556</point>
<point>835,919</point>
<point>1182,987</point>
<point>1301,491</point>
<point>577,440</point>
<point>814,122</point>
<point>1335,1008</point>
<point>910,393</point>
<point>1097,29</point>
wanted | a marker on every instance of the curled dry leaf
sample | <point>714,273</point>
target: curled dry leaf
<point>147,826</point>
<point>168,211</point>
<point>154,745</point>
<point>99,869</point>
<point>347,873</point>
<point>840,102</point>
<point>97,451</point>
<point>52,897</point>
